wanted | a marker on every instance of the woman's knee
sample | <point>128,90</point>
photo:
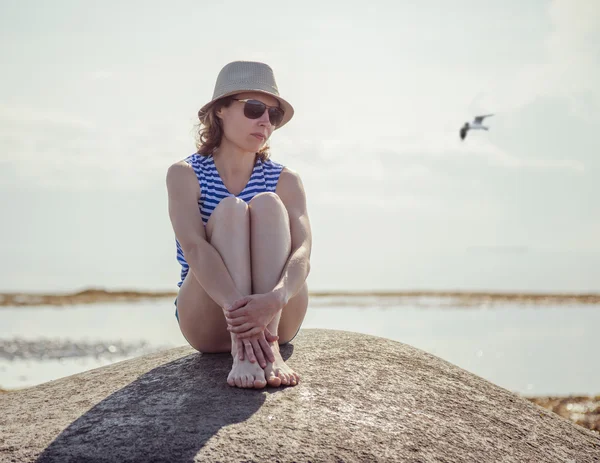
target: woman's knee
<point>231,205</point>
<point>230,211</point>
<point>266,202</point>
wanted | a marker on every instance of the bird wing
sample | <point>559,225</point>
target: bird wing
<point>479,119</point>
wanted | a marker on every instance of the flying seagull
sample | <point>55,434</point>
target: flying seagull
<point>476,124</point>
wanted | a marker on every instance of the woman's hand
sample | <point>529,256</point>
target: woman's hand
<point>250,315</point>
<point>257,348</point>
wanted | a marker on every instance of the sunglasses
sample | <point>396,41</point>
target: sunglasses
<point>253,109</point>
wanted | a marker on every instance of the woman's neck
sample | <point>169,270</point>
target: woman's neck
<point>232,162</point>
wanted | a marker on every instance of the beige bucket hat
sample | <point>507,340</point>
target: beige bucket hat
<point>248,76</point>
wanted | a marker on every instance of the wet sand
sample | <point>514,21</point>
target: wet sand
<point>87,296</point>
<point>462,298</point>
<point>478,298</point>
<point>582,410</point>
<point>59,349</point>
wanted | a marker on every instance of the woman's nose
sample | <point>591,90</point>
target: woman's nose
<point>264,119</point>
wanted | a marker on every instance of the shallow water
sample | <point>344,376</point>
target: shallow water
<point>528,349</point>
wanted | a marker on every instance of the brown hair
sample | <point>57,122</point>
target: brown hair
<point>210,131</point>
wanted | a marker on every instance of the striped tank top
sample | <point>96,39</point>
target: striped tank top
<point>264,178</point>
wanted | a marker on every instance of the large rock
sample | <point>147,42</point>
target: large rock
<point>361,398</point>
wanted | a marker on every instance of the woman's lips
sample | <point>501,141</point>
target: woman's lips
<point>260,136</point>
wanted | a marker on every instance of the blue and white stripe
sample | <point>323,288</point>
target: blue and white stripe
<point>264,178</point>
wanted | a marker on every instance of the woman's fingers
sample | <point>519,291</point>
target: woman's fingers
<point>236,321</point>
<point>270,337</point>
<point>240,349</point>
<point>240,328</point>
<point>266,349</point>
<point>249,334</point>
<point>237,304</point>
<point>259,353</point>
<point>237,313</point>
<point>249,351</point>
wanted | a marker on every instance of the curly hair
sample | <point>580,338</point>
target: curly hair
<point>210,130</point>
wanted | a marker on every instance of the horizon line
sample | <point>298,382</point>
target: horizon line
<point>94,295</point>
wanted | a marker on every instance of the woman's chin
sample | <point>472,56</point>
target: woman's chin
<point>254,147</point>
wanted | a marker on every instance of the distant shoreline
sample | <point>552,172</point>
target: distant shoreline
<point>468,298</point>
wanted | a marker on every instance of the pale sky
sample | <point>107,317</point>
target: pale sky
<point>97,100</point>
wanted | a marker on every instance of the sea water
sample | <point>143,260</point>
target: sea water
<point>529,349</point>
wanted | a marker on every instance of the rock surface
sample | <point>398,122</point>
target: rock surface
<point>361,398</point>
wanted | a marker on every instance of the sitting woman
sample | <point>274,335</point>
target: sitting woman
<point>242,231</point>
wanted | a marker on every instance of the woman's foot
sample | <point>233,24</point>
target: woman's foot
<point>278,373</point>
<point>245,374</point>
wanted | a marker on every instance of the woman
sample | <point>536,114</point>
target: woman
<point>242,231</point>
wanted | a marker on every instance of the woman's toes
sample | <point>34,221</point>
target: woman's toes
<point>274,380</point>
<point>285,379</point>
<point>259,383</point>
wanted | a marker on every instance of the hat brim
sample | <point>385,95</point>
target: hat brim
<point>288,109</point>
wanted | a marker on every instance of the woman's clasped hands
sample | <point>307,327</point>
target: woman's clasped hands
<point>248,318</point>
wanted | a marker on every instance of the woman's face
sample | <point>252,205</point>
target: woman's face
<point>248,134</point>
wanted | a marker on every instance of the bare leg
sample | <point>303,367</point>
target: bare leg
<point>201,320</point>
<point>270,244</point>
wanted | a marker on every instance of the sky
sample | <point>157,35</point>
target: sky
<point>97,100</point>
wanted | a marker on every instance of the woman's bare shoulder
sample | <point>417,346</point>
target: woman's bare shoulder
<point>290,185</point>
<point>290,180</point>
<point>180,167</point>
<point>181,174</point>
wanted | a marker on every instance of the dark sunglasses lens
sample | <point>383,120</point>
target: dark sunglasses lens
<point>275,116</point>
<point>253,109</point>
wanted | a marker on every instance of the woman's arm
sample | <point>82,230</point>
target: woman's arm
<point>291,192</point>
<point>204,260</point>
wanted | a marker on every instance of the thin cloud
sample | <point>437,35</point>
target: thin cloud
<point>102,75</point>
<point>570,67</point>
<point>52,149</point>
<point>16,115</point>
<point>440,146</point>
